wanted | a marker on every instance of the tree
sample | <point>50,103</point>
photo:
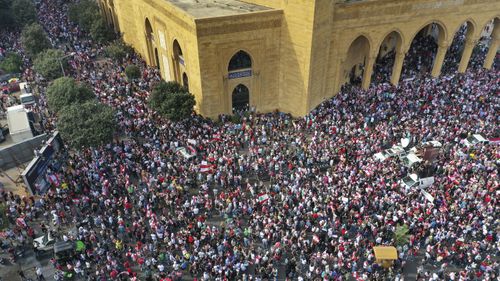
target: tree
<point>172,100</point>
<point>65,91</point>
<point>34,39</point>
<point>6,19</point>
<point>24,12</point>
<point>84,13</point>
<point>401,235</point>
<point>12,63</point>
<point>118,50</point>
<point>132,72</point>
<point>89,124</point>
<point>100,31</point>
<point>48,63</point>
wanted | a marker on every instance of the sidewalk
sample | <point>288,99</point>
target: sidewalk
<point>14,174</point>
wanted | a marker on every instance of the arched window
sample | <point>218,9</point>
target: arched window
<point>240,60</point>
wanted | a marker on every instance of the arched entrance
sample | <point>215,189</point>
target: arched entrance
<point>356,59</point>
<point>185,81</point>
<point>455,52</point>
<point>421,56</point>
<point>179,62</point>
<point>149,41</point>
<point>240,98</point>
<point>484,53</point>
<point>386,58</point>
<point>114,19</point>
<point>240,80</point>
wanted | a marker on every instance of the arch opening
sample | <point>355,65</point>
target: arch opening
<point>386,57</point>
<point>422,52</point>
<point>149,40</point>
<point>240,98</point>
<point>356,59</point>
<point>482,47</point>
<point>178,52</point>
<point>454,54</point>
<point>240,60</point>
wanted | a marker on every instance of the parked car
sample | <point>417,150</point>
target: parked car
<point>393,151</point>
<point>474,139</point>
<point>414,181</point>
<point>44,243</point>
<point>410,159</point>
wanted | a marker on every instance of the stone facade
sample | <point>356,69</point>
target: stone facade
<point>301,50</point>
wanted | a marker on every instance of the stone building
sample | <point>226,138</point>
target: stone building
<point>290,54</point>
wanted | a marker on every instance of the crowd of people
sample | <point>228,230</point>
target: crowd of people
<point>273,196</point>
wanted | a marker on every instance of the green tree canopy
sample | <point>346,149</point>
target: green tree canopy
<point>23,11</point>
<point>100,31</point>
<point>172,100</point>
<point>48,63</point>
<point>34,39</point>
<point>132,72</point>
<point>6,19</point>
<point>65,91</point>
<point>84,13</point>
<point>118,50</point>
<point>88,124</point>
<point>12,63</point>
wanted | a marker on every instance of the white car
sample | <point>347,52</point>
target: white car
<point>435,144</point>
<point>474,139</point>
<point>393,151</point>
<point>410,159</point>
<point>414,181</point>
<point>44,243</point>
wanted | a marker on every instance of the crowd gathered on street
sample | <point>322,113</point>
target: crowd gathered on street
<point>301,197</point>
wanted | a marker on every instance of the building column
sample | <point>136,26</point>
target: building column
<point>464,61</point>
<point>438,60</point>
<point>367,73</point>
<point>397,67</point>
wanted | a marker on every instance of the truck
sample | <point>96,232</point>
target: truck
<point>19,124</point>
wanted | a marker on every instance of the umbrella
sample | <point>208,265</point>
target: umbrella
<point>80,246</point>
<point>11,80</point>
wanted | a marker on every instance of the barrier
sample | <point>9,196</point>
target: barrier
<point>18,153</point>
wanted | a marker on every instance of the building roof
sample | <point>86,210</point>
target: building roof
<point>216,8</point>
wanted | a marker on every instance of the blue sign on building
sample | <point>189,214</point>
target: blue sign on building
<point>240,74</point>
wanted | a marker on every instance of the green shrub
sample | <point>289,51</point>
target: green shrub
<point>12,63</point>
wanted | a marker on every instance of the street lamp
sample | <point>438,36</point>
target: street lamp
<point>61,59</point>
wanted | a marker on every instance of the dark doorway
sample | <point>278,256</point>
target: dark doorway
<point>185,81</point>
<point>241,98</point>
<point>157,58</point>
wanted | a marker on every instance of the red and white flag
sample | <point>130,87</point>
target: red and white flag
<point>263,197</point>
<point>205,167</point>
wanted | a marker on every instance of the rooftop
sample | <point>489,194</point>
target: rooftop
<point>216,8</point>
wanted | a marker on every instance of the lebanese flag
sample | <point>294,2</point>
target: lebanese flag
<point>53,179</point>
<point>263,197</point>
<point>216,137</point>
<point>205,167</point>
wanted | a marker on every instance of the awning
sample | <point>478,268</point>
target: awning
<point>385,253</point>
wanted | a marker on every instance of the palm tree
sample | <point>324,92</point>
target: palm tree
<point>401,235</point>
